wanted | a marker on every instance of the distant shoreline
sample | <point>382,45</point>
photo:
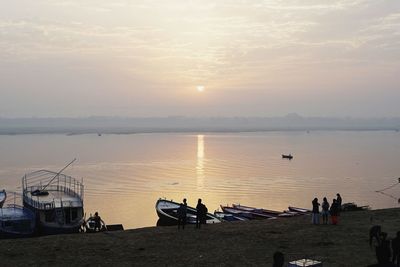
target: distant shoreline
<point>130,131</point>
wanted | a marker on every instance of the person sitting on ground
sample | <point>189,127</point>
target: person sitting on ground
<point>278,259</point>
<point>97,222</point>
<point>375,233</point>
<point>396,249</point>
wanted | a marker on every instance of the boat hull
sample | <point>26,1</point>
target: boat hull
<point>167,214</point>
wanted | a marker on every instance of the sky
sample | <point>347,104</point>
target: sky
<point>77,58</point>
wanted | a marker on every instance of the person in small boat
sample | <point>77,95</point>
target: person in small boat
<point>396,249</point>
<point>325,211</point>
<point>182,210</point>
<point>97,222</point>
<point>334,211</point>
<point>315,211</point>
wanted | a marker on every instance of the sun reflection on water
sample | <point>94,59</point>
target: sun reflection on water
<point>200,162</point>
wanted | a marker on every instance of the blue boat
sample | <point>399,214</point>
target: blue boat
<point>16,220</point>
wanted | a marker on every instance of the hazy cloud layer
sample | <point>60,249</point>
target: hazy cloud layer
<point>145,58</point>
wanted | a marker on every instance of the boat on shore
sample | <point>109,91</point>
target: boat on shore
<point>227,217</point>
<point>56,200</point>
<point>167,211</point>
<point>3,197</point>
<point>299,210</point>
<point>351,206</point>
<point>246,213</point>
<point>272,213</point>
<point>15,220</point>
<point>289,156</point>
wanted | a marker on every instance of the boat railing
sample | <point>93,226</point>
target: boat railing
<point>52,204</point>
<point>44,180</point>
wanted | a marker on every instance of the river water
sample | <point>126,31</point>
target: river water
<point>124,175</point>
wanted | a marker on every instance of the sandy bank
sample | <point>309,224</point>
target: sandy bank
<point>228,244</point>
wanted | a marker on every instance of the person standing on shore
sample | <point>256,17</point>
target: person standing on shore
<point>334,212</point>
<point>325,211</point>
<point>339,202</point>
<point>315,211</point>
<point>396,249</point>
<point>200,213</point>
<point>182,210</point>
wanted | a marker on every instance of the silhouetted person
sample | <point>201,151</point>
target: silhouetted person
<point>97,221</point>
<point>325,211</point>
<point>396,249</point>
<point>200,213</point>
<point>182,210</point>
<point>278,259</point>
<point>334,211</point>
<point>383,251</point>
<point>375,232</point>
<point>339,203</point>
<point>315,211</point>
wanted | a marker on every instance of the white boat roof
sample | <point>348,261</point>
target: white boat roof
<point>57,197</point>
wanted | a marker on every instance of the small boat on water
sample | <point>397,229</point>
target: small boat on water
<point>16,220</point>
<point>287,156</point>
<point>3,196</point>
<point>272,213</point>
<point>227,217</point>
<point>167,211</point>
<point>56,199</point>
<point>299,210</point>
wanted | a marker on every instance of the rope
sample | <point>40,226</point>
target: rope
<point>386,188</point>
<point>389,187</point>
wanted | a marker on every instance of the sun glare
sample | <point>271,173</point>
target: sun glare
<point>200,88</point>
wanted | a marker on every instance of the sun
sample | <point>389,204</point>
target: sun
<point>200,88</point>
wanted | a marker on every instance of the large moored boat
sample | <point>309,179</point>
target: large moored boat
<point>15,220</point>
<point>56,199</point>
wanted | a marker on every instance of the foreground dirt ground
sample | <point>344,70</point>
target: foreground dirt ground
<point>227,244</point>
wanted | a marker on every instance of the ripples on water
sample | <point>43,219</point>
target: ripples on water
<point>124,175</point>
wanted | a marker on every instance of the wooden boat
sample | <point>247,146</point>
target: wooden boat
<point>56,199</point>
<point>249,214</point>
<point>351,206</point>
<point>299,210</point>
<point>227,217</point>
<point>287,156</point>
<point>167,211</point>
<point>3,196</point>
<point>15,220</point>
<point>272,213</point>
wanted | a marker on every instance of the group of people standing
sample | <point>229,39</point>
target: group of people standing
<point>327,209</point>
<point>201,214</point>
